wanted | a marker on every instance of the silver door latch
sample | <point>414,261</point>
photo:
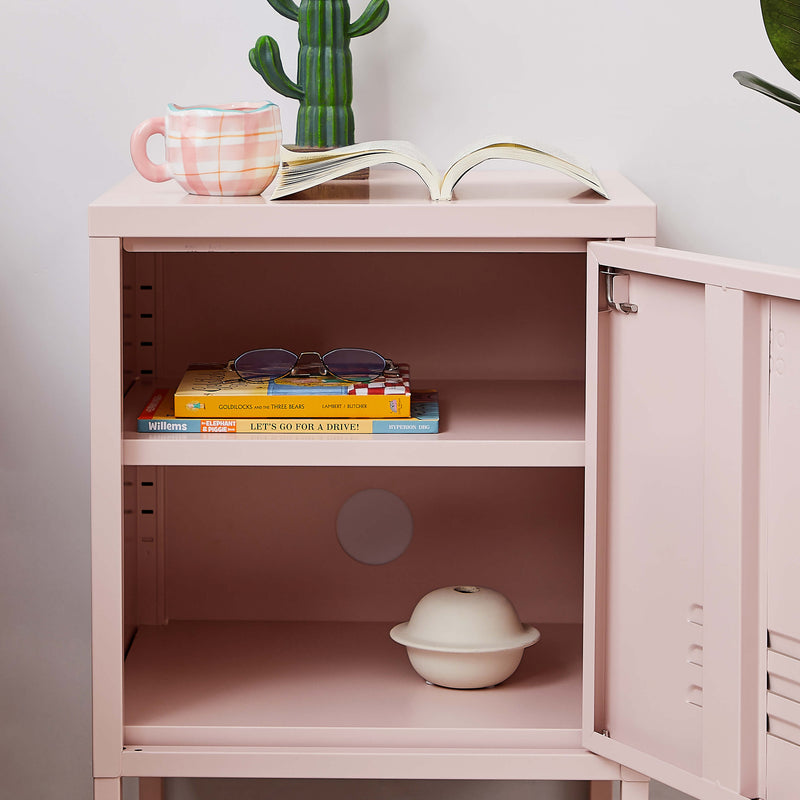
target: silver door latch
<point>612,305</point>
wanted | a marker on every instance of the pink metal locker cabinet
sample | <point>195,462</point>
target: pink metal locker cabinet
<point>613,456</point>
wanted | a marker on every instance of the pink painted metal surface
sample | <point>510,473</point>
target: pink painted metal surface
<point>595,505</point>
<point>736,391</point>
<point>784,544</point>
<point>513,301</point>
<point>337,685</point>
<point>783,549</point>
<point>634,790</point>
<point>749,276</point>
<point>106,509</point>
<point>632,631</point>
<point>782,769</point>
<point>261,544</point>
<point>509,436</point>
<point>656,769</point>
<point>490,205</point>
<point>488,385</point>
<point>107,789</point>
<point>450,316</point>
<point>654,544</point>
<point>400,763</point>
<point>734,386</point>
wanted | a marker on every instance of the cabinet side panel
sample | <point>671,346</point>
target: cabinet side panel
<point>655,517</point>
<point>783,541</point>
<point>783,767</point>
<point>106,505</point>
<point>783,593</point>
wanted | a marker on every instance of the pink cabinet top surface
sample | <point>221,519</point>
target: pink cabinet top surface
<point>521,204</point>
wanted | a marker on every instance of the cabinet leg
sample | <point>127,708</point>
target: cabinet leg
<point>108,789</point>
<point>634,790</point>
<point>601,790</point>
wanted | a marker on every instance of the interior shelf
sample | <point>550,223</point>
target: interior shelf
<point>490,423</point>
<point>337,684</point>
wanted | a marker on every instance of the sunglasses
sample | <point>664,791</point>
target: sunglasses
<point>352,364</point>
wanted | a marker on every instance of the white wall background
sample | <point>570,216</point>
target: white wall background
<point>644,87</point>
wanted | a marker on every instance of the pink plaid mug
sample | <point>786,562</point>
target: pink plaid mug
<point>229,150</point>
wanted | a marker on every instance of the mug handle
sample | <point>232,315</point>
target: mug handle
<point>151,171</point>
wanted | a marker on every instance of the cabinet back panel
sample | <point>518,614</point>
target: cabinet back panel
<point>450,315</point>
<point>261,543</point>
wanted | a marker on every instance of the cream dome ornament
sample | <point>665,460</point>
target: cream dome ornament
<point>465,637</point>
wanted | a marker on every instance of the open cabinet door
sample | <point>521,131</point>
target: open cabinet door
<point>677,397</point>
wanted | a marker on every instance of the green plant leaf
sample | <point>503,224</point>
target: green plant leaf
<point>782,22</point>
<point>769,89</point>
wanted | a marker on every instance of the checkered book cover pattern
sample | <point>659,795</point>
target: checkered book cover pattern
<point>400,384</point>
<point>230,146</point>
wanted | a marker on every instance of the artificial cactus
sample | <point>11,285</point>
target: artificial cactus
<point>324,84</point>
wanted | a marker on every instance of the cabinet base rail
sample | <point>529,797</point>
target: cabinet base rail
<point>408,763</point>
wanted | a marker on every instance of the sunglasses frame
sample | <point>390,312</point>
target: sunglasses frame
<point>311,363</point>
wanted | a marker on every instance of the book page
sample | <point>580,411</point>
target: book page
<point>303,170</point>
<point>508,149</point>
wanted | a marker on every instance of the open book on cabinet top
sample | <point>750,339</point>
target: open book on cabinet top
<point>304,170</point>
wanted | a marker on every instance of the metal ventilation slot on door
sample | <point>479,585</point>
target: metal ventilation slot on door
<point>783,696</point>
<point>694,656</point>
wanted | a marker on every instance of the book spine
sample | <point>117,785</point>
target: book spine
<point>169,425</point>
<point>327,406</point>
<point>287,426</point>
<point>323,426</point>
<point>405,426</point>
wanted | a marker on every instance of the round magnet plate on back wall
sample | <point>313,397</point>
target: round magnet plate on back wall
<point>374,526</point>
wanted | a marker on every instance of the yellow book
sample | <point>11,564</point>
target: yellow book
<point>209,391</point>
<point>158,417</point>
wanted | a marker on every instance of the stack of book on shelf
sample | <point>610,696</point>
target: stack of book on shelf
<point>211,398</point>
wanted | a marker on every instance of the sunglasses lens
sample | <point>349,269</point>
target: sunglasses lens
<point>264,364</point>
<point>354,364</point>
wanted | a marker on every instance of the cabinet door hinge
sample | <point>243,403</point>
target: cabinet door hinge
<point>626,307</point>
